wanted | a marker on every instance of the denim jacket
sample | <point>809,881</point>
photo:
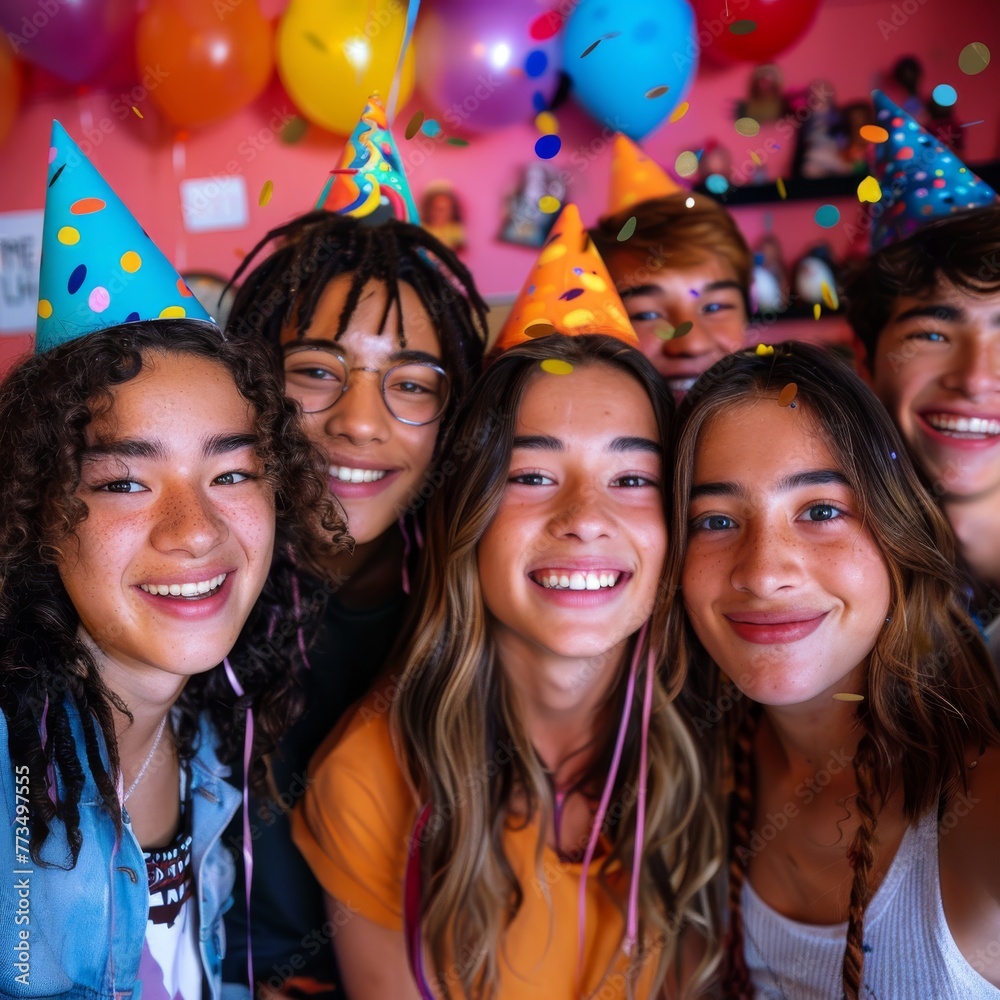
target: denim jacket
<point>78,932</point>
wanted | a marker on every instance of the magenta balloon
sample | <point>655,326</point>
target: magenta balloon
<point>479,65</point>
<point>74,39</point>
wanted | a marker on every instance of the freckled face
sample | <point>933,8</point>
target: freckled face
<point>785,588</point>
<point>177,542</point>
<point>707,295</point>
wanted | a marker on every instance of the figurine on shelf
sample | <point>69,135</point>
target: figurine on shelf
<point>818,152</point>
<point>441,214</point>
<point>765,101</point>
<point>855,152</point>
<point>769,292</point>
<point>714,159</point>
<point>815,269</point>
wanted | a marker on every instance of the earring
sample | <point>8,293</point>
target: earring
<point>888,618</point>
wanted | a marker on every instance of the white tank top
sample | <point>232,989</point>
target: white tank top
<point>909,951</point>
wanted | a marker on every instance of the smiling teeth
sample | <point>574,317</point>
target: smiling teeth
<point>964,425</point>
<point>184,589</point>
<point>577,581</point>
<point>348,475</point>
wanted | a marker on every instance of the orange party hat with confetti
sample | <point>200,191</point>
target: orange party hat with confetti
<point>370,182</point>
<point>568,291</point>
<point>635,177</point>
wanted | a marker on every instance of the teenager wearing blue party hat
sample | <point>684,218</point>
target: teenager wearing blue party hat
<point>381,331</point>
<point>149,472</point>
<point>926,305</point>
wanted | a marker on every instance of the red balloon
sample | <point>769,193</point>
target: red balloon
<point>763,28</point>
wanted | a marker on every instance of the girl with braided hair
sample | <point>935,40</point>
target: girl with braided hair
<point>850,702</point>
<point>381,331</point>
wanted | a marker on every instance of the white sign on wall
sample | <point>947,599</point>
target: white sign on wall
<point>20,260</point>
<point>211,204</point>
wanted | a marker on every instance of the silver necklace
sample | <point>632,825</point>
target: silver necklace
<point>146,762</point>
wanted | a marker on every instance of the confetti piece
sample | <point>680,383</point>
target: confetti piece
<point>413,125</point>
<point>431,128</point>
<point>656,91</point>
<point>716,183</point>
<point>549,204</point>
<point>454,140</point>
<point>679,112</point>
<point>314,41</point>
<point>590,48</point>
<point>539,328</point>
<point>536,63</point>
<point>829,295</point>
<point>817,310</point>
<point>848,696</point>
<point>827,216</point>
<point>782,193</point>
<point>743,27</point>
<point>974,58</point>
<point>138,113</point>
<point>747,126</point>
<point>556,367</point>
<point>546,25</point>
<point>763,349</point>
<point>547,146</point>
<point>627,230</point>
<point>787,394</point>
<point>294,131</point>
<point>683,329</point>
<point>265,193</point>
<point>755,158</point>
<point>869,190</point>
<point>970,124</point>
<point>689,202</point>
<point>546,123</point>
<point>665,332</point>
<point>686,164</point>
<point>873,133</point>
<point>944,94</point>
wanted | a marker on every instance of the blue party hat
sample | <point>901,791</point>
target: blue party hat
<point>99,268</point>
<point>370,182</point>
<point>921,179</point>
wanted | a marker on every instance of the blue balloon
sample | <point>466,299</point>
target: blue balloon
<point>631,61</point>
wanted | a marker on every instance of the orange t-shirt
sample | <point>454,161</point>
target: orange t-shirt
<point>354,823</point>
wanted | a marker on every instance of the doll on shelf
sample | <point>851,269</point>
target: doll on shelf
<point>769,292</point>
<point>821,137</point>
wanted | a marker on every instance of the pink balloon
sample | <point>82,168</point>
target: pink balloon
<point>479,64</point>
<point>73,40</point>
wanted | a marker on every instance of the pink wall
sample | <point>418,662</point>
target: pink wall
<point>144,164</point>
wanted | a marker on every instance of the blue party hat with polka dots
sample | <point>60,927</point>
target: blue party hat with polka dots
<point>921,179</point>
<point>99,268</point>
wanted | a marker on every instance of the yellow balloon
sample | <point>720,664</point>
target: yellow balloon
<point>332,54</point>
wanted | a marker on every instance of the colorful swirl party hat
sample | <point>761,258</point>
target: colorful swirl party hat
<point>568,291</point>
<point>921,179</point>
<point>370,182</point>
<point>635,177</point>
<point>99,268</point>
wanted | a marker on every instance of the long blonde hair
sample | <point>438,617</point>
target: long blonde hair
<point>466,750</point>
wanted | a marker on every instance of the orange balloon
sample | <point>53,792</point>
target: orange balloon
<point>206,59</point>
<point>11,85</point>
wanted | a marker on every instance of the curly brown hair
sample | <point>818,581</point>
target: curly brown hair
<point>46,404</point>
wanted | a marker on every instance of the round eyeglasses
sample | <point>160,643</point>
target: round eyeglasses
<point>415,392</point>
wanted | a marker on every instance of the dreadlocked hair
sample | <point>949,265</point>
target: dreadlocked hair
<point>284,288</point>
<point>930,688</point>
<point>46,404</point>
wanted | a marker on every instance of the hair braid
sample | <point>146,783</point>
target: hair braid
<point>862,857</point>
<point>736,982</point>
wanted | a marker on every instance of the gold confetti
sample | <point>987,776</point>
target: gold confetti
<point>315,41</point>
<point>974,58</point>
<point>548,204</point>
<point>454,140</point>
<point>683,329</point>
<point>656,91</point>
<point>787,394</point>
<point>686,164</point>
<point>869,190</point>
<point>665,332</point>
<point>848,696</point>
<point>763,349</point>
<point>138,113</point>
<point>413,125</point>
<point>817,309</point>
<point>627,230</point>
<point>747,126</point>
<point>873,133</point>
<point>265,193</point>
<point>829,295</point>
<point>546,123</point>
<point>782,193</point>
<point>556,367</point>
<point>539,328</point>
<point>755,158</point>
<point>743,27</point>
<point>679,112</point>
